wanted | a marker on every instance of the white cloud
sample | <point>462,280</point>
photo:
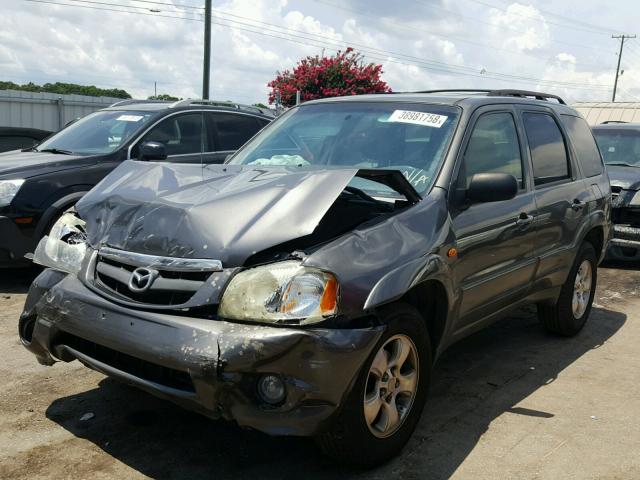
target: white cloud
<point>520,26</point>
<point>419,47</point>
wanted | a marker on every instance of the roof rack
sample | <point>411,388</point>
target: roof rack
<point>497,93</point>
<point>524,94</point>
<point>221,103</point>
<point>133,101</point>
<point>452,90</point>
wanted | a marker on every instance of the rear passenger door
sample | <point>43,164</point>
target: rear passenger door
<point>229,131</point>
<point>560,194</point>
<point>495,240</point>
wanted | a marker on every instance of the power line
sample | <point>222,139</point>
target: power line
<point>376,56</point>
<point>510,27</point>
<point>446,37</point>
<point>604,29</point>
<point>594,30</point>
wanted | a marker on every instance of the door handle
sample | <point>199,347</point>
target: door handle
<point>524,219</point>
<point>578,205</point>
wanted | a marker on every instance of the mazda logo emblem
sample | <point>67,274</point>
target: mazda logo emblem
<point>142,278</point>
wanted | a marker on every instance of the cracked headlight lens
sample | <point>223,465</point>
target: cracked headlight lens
<point>65,246</point>
<point>282,293</point>
<point>8,190</point>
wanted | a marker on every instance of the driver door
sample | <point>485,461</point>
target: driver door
<point>495,240</point>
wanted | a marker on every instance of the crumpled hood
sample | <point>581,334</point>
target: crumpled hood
<point>26,164</point>
<point>224,212</point>
<point>627,178</point>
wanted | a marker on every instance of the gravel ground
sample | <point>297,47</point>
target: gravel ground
<point>509,402</point>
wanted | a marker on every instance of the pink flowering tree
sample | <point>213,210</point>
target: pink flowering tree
<point>319,77</point>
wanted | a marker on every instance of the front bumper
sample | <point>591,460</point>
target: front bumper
<point>206,365</point>
<point>625,244</point>
<point>14,244</point>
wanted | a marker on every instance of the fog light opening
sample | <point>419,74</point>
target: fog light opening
<point>271,389</point>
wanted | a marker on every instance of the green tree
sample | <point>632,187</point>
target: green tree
<point>66,89</point>
<point>164,96</point>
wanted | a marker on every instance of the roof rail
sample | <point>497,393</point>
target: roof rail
<point>452,90</point>
<point>606,122</point>
<point>221,103</point>
<point>133,101</point>
<point>524,94</point>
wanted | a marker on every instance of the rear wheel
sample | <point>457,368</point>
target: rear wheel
<point>387,400</point>
<point>570,313</point>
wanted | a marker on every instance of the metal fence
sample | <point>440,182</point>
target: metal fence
<point>47,111</point>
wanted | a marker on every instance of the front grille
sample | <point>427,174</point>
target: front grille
<point>137,367</point>
<point>173,286</point>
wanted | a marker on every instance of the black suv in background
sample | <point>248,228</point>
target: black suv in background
<point>307,286</point>
<point>14,138</point>
<point>620,147</point>
<point>38,184</point>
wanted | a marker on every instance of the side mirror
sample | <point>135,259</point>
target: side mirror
<point>492,187</point>
<point>152,151</point>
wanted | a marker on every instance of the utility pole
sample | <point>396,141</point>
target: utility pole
<point>622,39</point>
<point>207,49</point>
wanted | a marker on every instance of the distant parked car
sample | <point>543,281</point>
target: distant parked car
<point>17,138</point>
<point>620,147</point>
<point>39,184</point>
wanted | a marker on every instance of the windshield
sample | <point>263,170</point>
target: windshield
<point>97,133</point>
<point>412,138</point>
<point>619,146</point>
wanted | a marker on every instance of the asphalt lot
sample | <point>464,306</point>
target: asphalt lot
<point>509,402</point>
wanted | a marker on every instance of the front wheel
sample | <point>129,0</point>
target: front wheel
<point>570,313</point>
<point>387,400</point>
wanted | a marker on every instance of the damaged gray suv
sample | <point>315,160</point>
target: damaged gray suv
<point>307,286</point>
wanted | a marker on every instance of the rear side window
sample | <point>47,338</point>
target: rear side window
<point>234,130</point>
<point>548,150</point>
<point>493,148</point>
<point>584,143</point>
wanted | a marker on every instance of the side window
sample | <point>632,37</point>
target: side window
<point>584,143</point>
<point>234,130</point>
<point>493,147</point>
<point>548,150</point>
<point>181,134</point>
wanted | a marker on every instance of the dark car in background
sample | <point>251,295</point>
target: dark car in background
<point>37,185</point>
<point>620,147</point>
<point>16,138</point>
<point>307,286</point>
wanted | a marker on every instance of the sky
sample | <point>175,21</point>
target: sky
<point>557,47</point>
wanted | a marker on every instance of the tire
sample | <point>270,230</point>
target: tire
<point>564,318</point>
<point>351,439</point>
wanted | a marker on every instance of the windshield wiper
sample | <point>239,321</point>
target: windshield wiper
<point>620,164</point>
<point>56,150</point>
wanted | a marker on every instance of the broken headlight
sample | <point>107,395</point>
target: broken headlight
<point>284,293</point>
<point>65,246</point>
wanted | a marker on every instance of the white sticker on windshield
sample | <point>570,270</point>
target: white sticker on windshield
<point>418,118</point>
<point>130,118</point>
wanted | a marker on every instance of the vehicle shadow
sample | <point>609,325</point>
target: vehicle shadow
<point>476,381</point>
<point>17,280</point>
